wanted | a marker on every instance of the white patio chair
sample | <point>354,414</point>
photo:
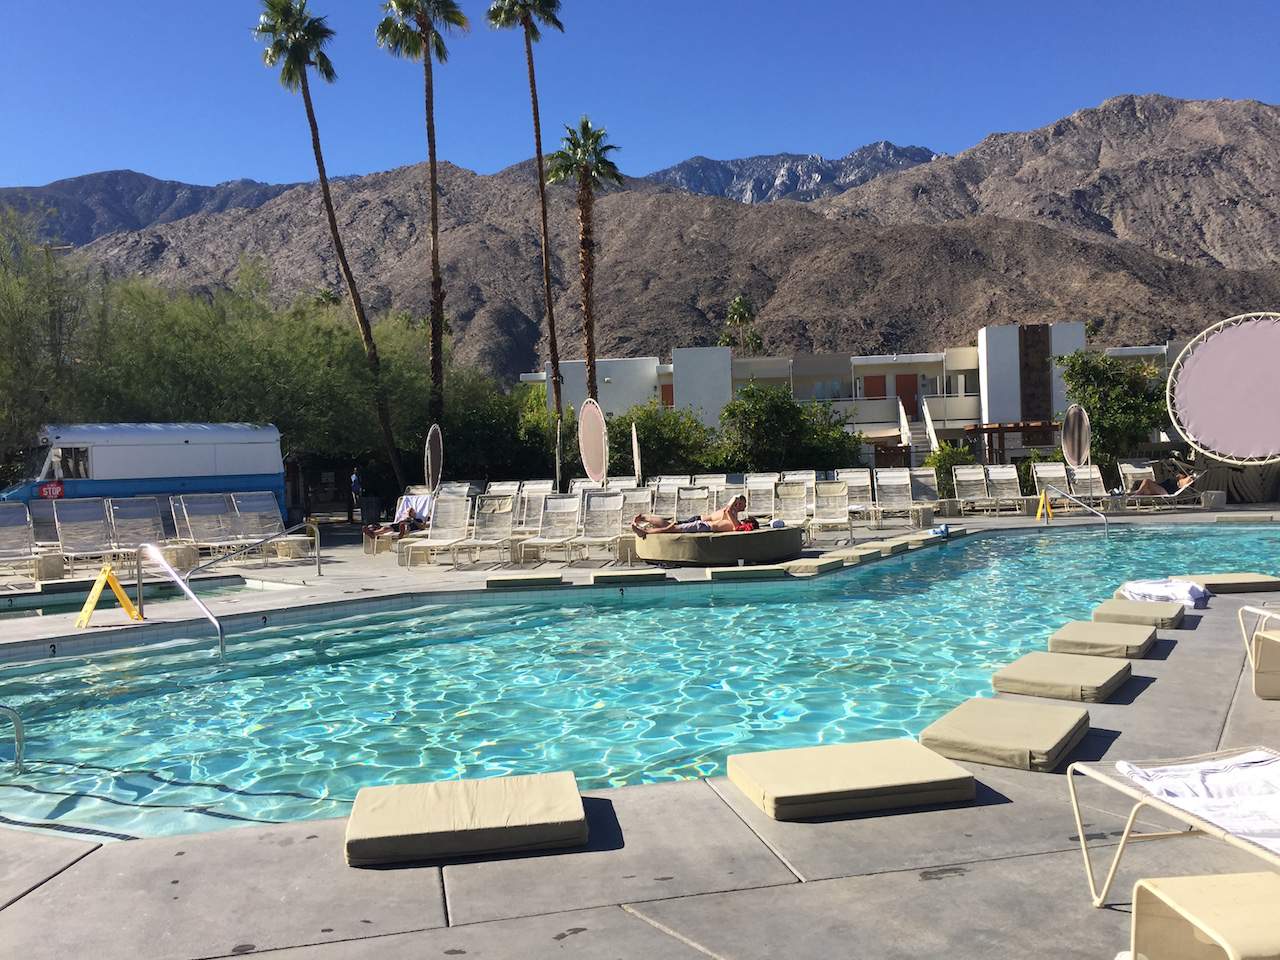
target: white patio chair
<point>664,497</point>
<point>831,508</point>
<point>602,518</point>
<point>692,502</point>
<point>1004,486</point>
<point>84,531</point>
<point>581,484</point>
<point>893,491</point>
<point>808,478</point>
<point>638,500</point>
<point>924,485</point>
<point>44,527</point>
<point>760,498</point>
<point>211,522</point>
<point>493,526</point>
<point>1087,483</point>
<point>135,521</point>
<point>678,479</point>
<point>500,487</point>
<point>17,539</point>
<point>790,505</point>
<point>858,479</point>
<point>529,506</point>
<point>970,483</point>
<point>1054,475</point>
<point>622,483</point>
<point>559,526</point>
<point>446,527</point>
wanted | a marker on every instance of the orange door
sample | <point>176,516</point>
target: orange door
<point>668,395</point>
<point>873,387</point>
<point>907,387</point>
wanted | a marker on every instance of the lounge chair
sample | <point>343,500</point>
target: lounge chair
<point>893,491</point>
<point>1230,795</point>
<point>664,496</point>
<point>529,506</point>
<point>759,493</point>
<point>425,821</point>
<point>1052,478</point>
<point>635,501</point>
<point>924,485</point>
<point>1004,486</point>
<point>260,518</point>
<point>970,484</point>
<point>1263,648</point>
<point>808,477</point>
<point>44,526</point>
<point>692,502</point>
<point>1188,496</point>
<point>831,508</point>
<point>790,505</point>
<point>446,527</point>
<point>676,479</point>
<point>211,522</point>
<point>17,541</point>
<point>1087,483</point>
<point>602,519</point>
<point>559,527</point>
<point>1219,916</point>
<point>500,487</point>
<point>84,532</point>
<point>716,482</point>
<point>494,522</point>
<point>622,483</point>
<point>582,484</point>
<point>135,521</point>
<point>861,499</point>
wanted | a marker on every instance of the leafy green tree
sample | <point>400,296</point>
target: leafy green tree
<point>295,42</point>
<point>1124,400</point>
<point>764,428</point>
<point>414,29</point>
<point>583,157</point>
<point>739,327</point>
<point>671,441</point>
<point>947,456</point>
<point>530,16</point>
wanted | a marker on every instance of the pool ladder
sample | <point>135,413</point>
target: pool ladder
<point>151,550</point>
<point>1106,525</point>
<point>18,738</point>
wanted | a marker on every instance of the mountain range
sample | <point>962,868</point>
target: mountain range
<point>1147,216</point>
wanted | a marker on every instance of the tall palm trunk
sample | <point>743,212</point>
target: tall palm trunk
<point>587,264</point>
<point>552,346</point>
<point>362,321</point>
<point>435,407</point>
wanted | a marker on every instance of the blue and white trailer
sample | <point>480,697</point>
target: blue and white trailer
<point>151,459</point>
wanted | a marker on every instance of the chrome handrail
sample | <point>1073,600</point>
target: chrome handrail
<point>1106,524</point>
<point>172,574</point>
<point>18,737</point>
<point>312,528</point>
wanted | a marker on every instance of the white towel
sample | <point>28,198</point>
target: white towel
<point>1240,794</point>
<point>421,504</point>
<point>1183,591</point>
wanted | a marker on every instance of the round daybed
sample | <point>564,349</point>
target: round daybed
<point>767,545</point>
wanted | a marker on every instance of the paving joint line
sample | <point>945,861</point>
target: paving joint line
<point>768,846</point>
<point>670,932</point>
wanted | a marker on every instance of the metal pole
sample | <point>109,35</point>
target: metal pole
<point>137,572</point>
<point>18,737</point>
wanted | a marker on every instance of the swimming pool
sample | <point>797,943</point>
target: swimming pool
<point>655,685</point>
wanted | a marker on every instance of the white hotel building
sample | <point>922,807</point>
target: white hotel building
<point>904,404</point>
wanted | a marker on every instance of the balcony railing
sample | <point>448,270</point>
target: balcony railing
<point>954,410</point>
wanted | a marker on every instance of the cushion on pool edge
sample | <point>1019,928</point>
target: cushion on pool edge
<point>1062,676</point>
<point>1007,733</point>
<point>406,823</point>
<point>1165,614</point>
<point>1232,582</point>
<point>848,778</point>
<point>1097,638</point>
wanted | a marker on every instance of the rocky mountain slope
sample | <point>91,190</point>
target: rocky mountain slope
<point>80,209</point>
<point>1197,181</point>
<point>788,176</point>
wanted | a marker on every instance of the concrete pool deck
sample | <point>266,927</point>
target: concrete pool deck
<point>688,869</point>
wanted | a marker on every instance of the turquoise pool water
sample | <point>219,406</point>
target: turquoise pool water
<point>647,687</point>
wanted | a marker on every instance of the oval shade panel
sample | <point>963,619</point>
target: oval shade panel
<point>1224,390</point>
<point>1076,436</point>
<point>434,463</point>
<point>635,453</point>
<point>593,440</point>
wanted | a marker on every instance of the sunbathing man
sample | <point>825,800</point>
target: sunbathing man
<point>722,520</point>
<point>1149,488</point>
<point>411,522</point>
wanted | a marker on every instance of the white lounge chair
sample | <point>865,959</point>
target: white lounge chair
<point>1087,483</point>
<point>211,522</point>
<point>622,483</point>
<point>260,518</point>
<point>1262,645</point>
<point>790,505</point>
<point>1052,478</point>
<point>1130,474</point>
<point>759,492</point>
<point>808,478</point>
<point>831,508</point>
<point>664,496</point>
<point>582,484</point>
<point>529,506</point>
<point>692,502</point>
<point>84,531</point>
<point>17,541</point>
<point>861,498</point>
<point>1231,795</point>
<point>135,521</point>
<point>924,485</point>
<point>446,527</point>
<point>602,519</point>
<point>1004,486</point>
<point>676,479</point>
<point>970,482</point>
<point>492,529</point>
<point>559,527</point>
<point>635,501</point>
<point>499,487</point>
<point>893,491</point>
<point>44,526</point>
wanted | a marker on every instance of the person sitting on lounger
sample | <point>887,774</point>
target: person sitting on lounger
<point>723,520</point>
<point>410,523</point>
<point>1150,488</point>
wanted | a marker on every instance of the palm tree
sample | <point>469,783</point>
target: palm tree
<point>527,15</point>
<point>584,157</point>
<point>295,41</point>
<point>413,28</point>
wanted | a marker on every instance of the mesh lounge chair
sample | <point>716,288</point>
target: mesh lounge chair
<point>1087,483</point>
<point>831,508</point>
<point>680,480</point>
<point>17,541</point>
<point>692,501</point>
<point>623,483</point>
<point>715,482</point>
<point>971,487</point>
<point>759,491</point>
<point>259,513</point>
<point>1052,475</point>
<point>602,519</point>
<point>790,505</point>
<point>924,485</point>
<point>1130,474</point>
<point>44,527</point>
<point>529,506</point>
<point>581,484</point>
<point>84,531</point>
<point>808,478</point>
<point>447,527</point>
<point>664,496</point>
<point>861,501</point>
<point>211,521</point>
<point>511,487</point>
<point>1213,794</point>
<point>635,501</point>
<point>893,491</point>
<point>1004,486</point>
<point>558,529</point>
<point>494,522</point>
<point>135,521</point>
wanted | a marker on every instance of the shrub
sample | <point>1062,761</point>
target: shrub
<point>671,441</point>
<point>1124,400</point>
<point>764,429</point>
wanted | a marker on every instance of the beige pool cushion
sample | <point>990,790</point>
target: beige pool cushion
<point>848,778</point>
<point>1164,614</point>
<point>1008,733</point>
<point>1062,676</point>
<point>1266,659</point>
<point>1233,582</point>
<point>426,821</point>
<point>1100,639</point>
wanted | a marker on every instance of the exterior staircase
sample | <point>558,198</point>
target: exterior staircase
<point>919,443</point>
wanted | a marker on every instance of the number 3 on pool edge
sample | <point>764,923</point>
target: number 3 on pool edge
<point>53,649</point>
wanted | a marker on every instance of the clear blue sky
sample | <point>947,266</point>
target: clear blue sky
<point>177,90</point>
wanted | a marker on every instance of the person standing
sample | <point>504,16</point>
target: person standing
<point>353,502</point>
